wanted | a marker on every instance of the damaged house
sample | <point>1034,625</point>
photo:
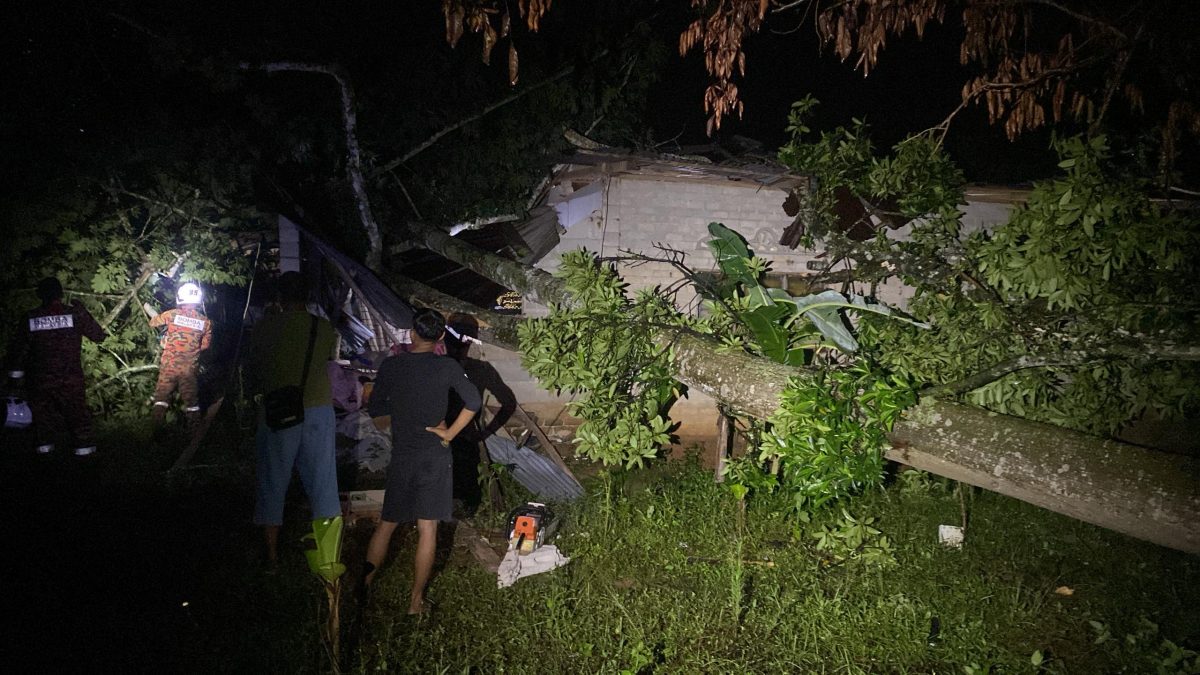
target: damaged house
<point>617,204</point>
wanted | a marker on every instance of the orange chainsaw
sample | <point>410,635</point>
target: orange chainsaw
<point>529,526</point>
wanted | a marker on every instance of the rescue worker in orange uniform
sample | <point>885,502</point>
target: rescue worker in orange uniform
<point>47,345</point>
<point>188,332</point>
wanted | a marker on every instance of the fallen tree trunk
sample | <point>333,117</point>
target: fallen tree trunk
<point>494,328</point>
<point>532,283</point>
<point>1141,492</point>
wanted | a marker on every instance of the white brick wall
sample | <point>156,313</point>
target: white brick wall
<point>641,212</point>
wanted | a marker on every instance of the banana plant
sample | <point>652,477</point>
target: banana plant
<point>324,560</point>
<point>324,557</point>
<point>774,316</point>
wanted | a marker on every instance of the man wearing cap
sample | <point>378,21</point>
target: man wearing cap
<point>188,332</point>
<point>47,346</point>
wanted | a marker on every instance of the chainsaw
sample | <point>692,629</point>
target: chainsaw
<point>529,526</point>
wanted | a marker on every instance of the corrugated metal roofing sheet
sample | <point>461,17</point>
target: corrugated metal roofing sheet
<point>536,472</point>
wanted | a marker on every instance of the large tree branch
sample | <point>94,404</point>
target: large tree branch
<point>1143,493</point>
<point>985,377</point>
<point>374,257</point>
<point>535,284</point>
<point>147,271</point>
<point>190,217</point>
<point>125,373</point>
<point>494,328</point>
<point>437,136</point>
<point>739,381</point>
<point>1161,351</point>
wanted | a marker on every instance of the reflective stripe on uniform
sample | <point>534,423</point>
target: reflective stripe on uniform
<point>188,322</point>
<point>162,403</point>
<point>52,322</point>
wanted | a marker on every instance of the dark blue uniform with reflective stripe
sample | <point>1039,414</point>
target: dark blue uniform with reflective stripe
<point>47,349</point>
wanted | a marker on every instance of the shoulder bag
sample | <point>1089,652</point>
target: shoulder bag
<point>283,408</point>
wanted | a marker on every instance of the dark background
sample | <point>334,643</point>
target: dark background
<point>85,76</point>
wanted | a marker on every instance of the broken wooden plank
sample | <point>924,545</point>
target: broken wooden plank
<point>543,440</point>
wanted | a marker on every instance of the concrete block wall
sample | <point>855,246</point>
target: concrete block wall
<point>642,212</point>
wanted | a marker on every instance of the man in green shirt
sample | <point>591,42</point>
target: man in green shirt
<point>276,360</point>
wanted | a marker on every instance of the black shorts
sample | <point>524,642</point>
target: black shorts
<point>420,486</point>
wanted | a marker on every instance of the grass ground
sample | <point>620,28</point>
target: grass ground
<point>667,575</point>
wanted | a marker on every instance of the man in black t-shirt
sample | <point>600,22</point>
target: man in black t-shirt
<point>414,389</point>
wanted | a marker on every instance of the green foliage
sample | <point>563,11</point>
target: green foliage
<point>828,435</point>
<point>1144,648</point>
<point>827,438</point>
<point>840,158</point>
<point>1093,241</point>
<point>855,538</point>
<point>917,180</point>
<point>782,327</point>
<point>1078,301</point>
<point>98,239</point>
<point>601,348</point>
<point>1091,280</point>
<point>826,441</point>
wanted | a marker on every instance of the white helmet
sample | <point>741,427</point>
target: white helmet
<point>188,294</point>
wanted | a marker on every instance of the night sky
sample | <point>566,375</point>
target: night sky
<point>84,75</point>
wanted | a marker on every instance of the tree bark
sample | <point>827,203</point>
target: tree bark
<point>494,328</point>
<point>534,284</point>
<point>374,258</point>
<point>130,293</point>
<point>147,271</point>
<point>1141,492</point>
<point>746,384</point>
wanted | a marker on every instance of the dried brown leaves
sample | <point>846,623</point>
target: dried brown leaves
<point>1023,85</point>
<point>720,33</point>
<point>492,19</point>
<point>863,26</point>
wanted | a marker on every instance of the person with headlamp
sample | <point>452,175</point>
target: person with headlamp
<point>187,333</point>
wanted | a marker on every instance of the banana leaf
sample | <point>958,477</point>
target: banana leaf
<point>823,309</point>
<point>731,253</point>
<point>327,540</point>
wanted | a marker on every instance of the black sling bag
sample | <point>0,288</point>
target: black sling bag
<point>283,408</point>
